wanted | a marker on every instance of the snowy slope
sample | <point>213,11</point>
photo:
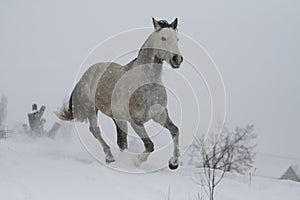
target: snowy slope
<point>45,169</point>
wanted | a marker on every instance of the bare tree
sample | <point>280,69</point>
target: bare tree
<point>220,153</point>
<point>211,155</point>
<point>228,151</point>
<point>240,150</point>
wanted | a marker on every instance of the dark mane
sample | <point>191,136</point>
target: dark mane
<point>164,24</point>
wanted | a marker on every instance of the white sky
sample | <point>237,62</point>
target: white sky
<point>255,44</point>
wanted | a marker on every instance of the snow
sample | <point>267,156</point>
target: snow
<point>42,169</point>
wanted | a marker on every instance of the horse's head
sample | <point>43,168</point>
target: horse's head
<point>164,42</point>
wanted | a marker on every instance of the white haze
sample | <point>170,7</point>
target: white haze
<point>255,44</point>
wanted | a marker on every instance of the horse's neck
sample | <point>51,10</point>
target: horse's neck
<point>150,65</point>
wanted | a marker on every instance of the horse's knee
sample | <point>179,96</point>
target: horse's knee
<point>95,130</point>
<point>172,128</point>
<point>174,131</point>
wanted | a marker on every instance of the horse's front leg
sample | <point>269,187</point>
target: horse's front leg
<point>161,116</point>
<point>174,161</point>
<point>149,146</point>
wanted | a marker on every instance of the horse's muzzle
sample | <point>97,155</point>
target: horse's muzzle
<point>176,61</point>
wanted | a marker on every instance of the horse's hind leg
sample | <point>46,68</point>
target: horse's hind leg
<point>94,128</point>
<point>162,117</point>
<point>149,147</point>
<point>121,134</point>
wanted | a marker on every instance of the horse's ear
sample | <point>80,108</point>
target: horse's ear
<point>174,24</point>
<point>155,23</point>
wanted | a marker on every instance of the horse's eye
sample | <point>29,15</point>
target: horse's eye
<point>163,38</point>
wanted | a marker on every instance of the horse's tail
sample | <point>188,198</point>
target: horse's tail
<point>66,111</point>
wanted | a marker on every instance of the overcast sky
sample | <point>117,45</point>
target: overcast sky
<point>255,44</point>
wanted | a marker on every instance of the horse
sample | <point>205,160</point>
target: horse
<point>133,93</point>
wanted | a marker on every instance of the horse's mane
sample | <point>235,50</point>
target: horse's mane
<point>164,24</point>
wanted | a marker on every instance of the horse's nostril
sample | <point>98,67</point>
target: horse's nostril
<point>181,58</point>
<point>177,59</point>
<point>174,58</point>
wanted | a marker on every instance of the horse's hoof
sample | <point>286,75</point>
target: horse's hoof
<point>173,163</point>
<point>173,166</point>
<point>143,156</point>
<point>109,159</point>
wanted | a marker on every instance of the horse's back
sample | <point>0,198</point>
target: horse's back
<point>85,90</point>
<point>92,75</point>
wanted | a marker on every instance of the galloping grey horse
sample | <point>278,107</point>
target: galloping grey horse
<point>131,93</point>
